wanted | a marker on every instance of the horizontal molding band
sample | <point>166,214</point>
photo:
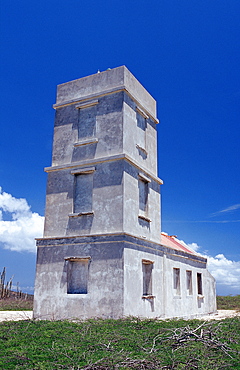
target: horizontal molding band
<point>96,161</point>
<point>103,93</point>
<point>136,240</point>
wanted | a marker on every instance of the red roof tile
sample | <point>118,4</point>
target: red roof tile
<point>172,242</point>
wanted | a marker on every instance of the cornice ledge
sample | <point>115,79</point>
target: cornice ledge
<point>89,97</point>
<point>95,161</point>
<point>118,88</point>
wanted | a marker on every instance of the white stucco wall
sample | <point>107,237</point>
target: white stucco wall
<point>166,304</point>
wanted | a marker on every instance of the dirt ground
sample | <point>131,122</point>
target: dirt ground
<point>26,315</point>
<point>221,314</point>
<point>15,315</point>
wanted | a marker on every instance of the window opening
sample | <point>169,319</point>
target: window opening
<point>87,121</point>
<point>176,281</point>
<point>77,275</point>
<point>189,282</point>
<point>143,195</point>
<point>147,267</point>
<point>83,190</point>
<point>142,128</point>
<point>83,193</point>
<point>143,186</point>
<point>199,283</point>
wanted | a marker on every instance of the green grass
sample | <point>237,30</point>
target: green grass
<point>228,302</point>
<point>120,344</point>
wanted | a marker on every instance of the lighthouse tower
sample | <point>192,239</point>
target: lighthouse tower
<point>102,215</point>
<point>101,253</point>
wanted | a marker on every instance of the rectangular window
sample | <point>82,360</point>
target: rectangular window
<point>176,281</point>
<point>199,283</point>
<point>83,193</point>
<point>141,135</point>
<point>143,195</point>
<point>83,189</point>
<point>141,132</point>
<point>143,187</point>
<point>189,282</point>
<point>87,122</point>
<point>147,267</point>
<point>77,275</point>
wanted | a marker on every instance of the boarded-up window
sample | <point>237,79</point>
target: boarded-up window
<point>83,193</point>
<point>147,267</point>
<point>87,119</point>
<point>199,283</point>
<point>83,190</point>
<point>144,190</point>
<point>77,275</point>
<point>189,282</point>
<point>176,281</point>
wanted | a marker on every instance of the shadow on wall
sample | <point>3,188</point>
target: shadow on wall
<point>82,223</point>
<point>144,223</point>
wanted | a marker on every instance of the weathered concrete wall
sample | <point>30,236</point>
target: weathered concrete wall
<point>165,303</point>
<point>116,279</point>
<point>183,304</point>
<point>134,303</point>
<point>112,135</point>
<point>102,83</point>
<point>115,203</point>
<point>139,136</point>
<point>75,128</point>
<point>107,202</point>
<point>150,227</point>
<point>104,296</point>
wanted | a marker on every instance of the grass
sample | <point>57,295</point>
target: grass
<point>16,304</point>
<point>120,344</point>
<point>228,302</point>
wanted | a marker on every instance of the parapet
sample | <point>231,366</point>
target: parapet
<point>103,83</point>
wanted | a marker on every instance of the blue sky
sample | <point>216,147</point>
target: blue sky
<point>186,54</point>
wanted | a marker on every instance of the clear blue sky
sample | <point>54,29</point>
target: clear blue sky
<point>185,53</point>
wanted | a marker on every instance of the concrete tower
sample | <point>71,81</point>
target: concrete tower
<point>102,245</point>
